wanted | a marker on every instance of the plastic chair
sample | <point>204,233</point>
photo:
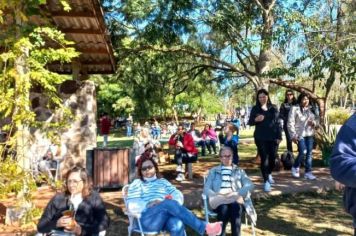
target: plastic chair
<point>248,210</point>
<point>135,216</point>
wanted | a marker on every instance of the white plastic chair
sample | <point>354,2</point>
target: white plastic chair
<point>247,212</point>
<point>135,216</point>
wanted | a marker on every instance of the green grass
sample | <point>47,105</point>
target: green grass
<point>304,214</point>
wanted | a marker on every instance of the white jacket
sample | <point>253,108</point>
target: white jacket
<point>298,122</point>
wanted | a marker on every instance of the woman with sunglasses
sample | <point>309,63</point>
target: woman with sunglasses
<point>76,211</point>
<point>289,101</point>
<point>160,203</point>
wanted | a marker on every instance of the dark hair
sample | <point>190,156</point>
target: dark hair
<point>294,100</point>
<point>83,176</point>
<point>146,156</point>
<point>264,91</point>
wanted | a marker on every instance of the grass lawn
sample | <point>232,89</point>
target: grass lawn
<point>307,214</point>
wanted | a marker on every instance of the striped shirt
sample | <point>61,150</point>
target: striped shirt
<point>226,183</point>
<point>148,191</point>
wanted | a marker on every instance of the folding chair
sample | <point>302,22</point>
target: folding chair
<point>248,211</point>
<point>135,217</point>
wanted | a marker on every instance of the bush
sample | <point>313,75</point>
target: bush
<point>338,116</point>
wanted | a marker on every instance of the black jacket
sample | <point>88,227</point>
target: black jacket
<point>269,129</point>
<point>91,214</point>
<point>284,111</point>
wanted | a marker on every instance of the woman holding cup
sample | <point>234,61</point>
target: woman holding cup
<point>75,211</point>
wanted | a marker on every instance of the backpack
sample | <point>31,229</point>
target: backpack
<point>277,164</point>
<point>287,159</point>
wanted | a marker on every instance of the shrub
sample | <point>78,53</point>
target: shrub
<point>338,116</point>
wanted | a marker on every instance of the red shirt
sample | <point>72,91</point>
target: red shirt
<point>105,124</point>
<point>188,143</point>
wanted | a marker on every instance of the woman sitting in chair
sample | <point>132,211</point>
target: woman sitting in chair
<point>160,203</point>
<point>227,187</point>
<point>77,211</point>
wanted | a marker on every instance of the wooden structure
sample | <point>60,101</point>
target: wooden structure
<point>84,24</point>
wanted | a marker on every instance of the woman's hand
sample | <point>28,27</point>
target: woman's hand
<point>64,222</point>
<point>240,200</point>
<point>339,186</point>
<point>259,118</point>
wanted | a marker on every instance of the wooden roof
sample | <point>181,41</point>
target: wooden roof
<point>84,24</point>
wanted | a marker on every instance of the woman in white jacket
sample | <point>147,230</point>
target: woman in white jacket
<point>302,121</point>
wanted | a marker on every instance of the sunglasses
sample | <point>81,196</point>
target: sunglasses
<point>146,168</point>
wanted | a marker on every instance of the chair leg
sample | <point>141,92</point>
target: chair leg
<point>139,225</point>
<point>253,230</point>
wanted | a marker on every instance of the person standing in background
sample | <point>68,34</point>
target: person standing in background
<point>105,125</point>
<point>289,101</point>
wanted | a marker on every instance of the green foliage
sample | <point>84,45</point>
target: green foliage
<point>325,138</point>
<point>338,116</point>
<point>124,106</point>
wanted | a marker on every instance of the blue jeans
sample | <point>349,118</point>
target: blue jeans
<point>128,131</point>
<point>305,147</point>
<point>203,146</point>
<point>105,140</point>
<point>211,144</point>
<point>170,216</point>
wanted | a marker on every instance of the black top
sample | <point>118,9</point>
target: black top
<point>91,214</point>
<point>269,129</point>
<point>284,111</point>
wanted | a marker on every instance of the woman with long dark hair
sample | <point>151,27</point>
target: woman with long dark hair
<point>160,203</point>
<point>77,210</point>
<point>302,121</point>
<point>289,101</point>
<point>268,134</point>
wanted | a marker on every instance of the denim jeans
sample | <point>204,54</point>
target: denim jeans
<point>105,140</point>
<point>170,216</point>
<point>305,148</point>
<point>230,213</point>
<point>211,144</point>
<point>203,146</point>
<point>128,131</point>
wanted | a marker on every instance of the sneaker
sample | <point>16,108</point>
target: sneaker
<point>213,229</point>
<point>267,187</point>
<point>179,169</point>
<point>180,177</point>
<point>309,176</point>
<point>295,172</point>
<point>270,179</point>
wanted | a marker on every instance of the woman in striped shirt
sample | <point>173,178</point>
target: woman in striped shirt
<point>160,203</point>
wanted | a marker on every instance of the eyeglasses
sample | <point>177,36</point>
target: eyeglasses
<point>289,94</point>
<point>74,182</point>
<point>225,156</point>
<point>146,168</point>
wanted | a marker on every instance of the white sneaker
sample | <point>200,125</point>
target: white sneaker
<point>309,176</point>
<point>179,169</point>
<point>267,187</point>
<point>295,172</point>
<point>270,179</point>
<point>180,177</point>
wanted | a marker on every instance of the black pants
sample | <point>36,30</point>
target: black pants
<point>288,139</point>
<point>267,151</point>
<point>230,213</point>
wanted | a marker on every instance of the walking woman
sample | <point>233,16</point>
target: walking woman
<point>268,134</point>
<point>289,101</point>
<point>302,121</point>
